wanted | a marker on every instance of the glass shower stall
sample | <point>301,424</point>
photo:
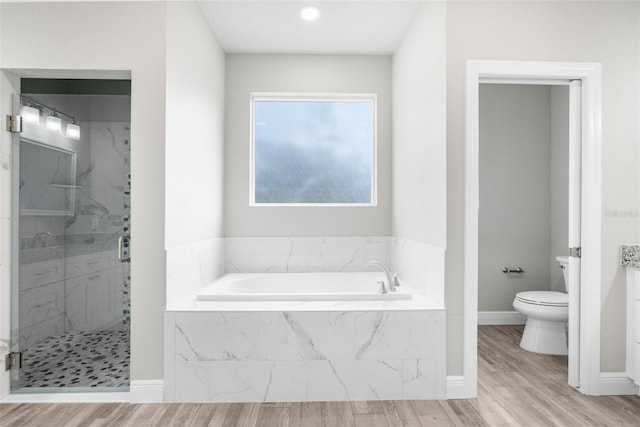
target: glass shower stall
<point>70,231</point>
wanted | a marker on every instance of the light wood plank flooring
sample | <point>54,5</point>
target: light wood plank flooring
<point>515,388</point>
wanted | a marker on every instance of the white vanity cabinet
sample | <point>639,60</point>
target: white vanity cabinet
<point>630,258</point>
<point>633,323</point>
<point>41,310</point>
<point>91,292</point>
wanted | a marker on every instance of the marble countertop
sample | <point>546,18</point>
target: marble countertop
<point>79,246</point>
<point>630,255</point>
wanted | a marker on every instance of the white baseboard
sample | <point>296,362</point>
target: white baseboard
<point>501,318</point>
<point>146,391</point>
<point>457,388</point>
<point>617,384</point>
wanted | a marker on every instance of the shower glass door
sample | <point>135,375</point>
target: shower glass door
<point>71,222</point>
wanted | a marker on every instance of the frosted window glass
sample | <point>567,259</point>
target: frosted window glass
<point>313,151</point>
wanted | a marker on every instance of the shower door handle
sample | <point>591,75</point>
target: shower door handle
<point>124,248</point>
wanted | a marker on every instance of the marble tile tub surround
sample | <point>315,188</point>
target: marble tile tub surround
<point>189,267</point>
<point>630,255</point>
<point>303,254</point>
<point>421,265</point>
<point>303,351</point>
<point>192,266</point>
<point>304,356</point>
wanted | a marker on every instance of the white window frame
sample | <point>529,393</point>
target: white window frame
<point>316,97</point>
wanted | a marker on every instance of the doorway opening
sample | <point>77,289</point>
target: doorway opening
<point>71,222</point>
<point>523,225</point>
<point>584,204</point>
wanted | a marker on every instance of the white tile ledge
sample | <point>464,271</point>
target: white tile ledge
<point>418,302</point>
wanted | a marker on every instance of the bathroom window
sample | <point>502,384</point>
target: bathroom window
<point>313,150</point>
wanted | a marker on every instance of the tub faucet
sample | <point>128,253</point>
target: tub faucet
<point>392,280</point>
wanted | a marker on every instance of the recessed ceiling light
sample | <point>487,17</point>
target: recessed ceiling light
<point>309,13</point>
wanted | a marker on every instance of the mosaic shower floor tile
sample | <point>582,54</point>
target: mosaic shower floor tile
<point>78,359</point>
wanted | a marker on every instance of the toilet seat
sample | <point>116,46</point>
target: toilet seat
<point>544,298</point>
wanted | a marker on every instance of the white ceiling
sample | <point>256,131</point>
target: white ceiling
<point>344,27</point>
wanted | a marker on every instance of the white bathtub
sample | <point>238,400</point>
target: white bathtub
<point>299,287</point>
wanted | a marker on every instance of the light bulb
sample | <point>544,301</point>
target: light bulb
<point>309,13</point>
<point>54,124</point>
<point>73,131</point>
<point>30,115</point>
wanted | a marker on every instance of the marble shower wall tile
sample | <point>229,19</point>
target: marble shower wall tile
<point>190,267</point>
<point>420,265</point>
<point>6,179</point>
<point>303,254</point>
<point>101,176</point>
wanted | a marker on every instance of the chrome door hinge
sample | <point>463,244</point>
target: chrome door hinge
<point>12,360</point>
<point>14,124</point>
<point>575,252</point>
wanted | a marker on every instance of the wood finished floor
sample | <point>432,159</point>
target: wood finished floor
<point>515,388</point>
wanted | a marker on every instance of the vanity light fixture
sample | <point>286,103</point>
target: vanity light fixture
<point>309,13</point>
<point>32,109</point>
<point>73,131</point>
<point>54,123</point>
<point>30,115</point>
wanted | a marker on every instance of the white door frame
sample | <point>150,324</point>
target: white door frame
<point>590,271</point>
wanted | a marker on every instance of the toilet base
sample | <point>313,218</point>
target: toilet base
<point>545,337</point>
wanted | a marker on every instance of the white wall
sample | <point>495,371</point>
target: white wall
<point>605,32</point>
<point>303,73</point>
<point>419,210</point>
<point>559,137</point>
<point>195,152</point>
<point>515,192</point>
<point>195,127</point>
<point>107,36</point>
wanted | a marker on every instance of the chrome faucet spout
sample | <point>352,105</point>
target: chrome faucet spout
<point>38,239</point>
<point>390,283</point>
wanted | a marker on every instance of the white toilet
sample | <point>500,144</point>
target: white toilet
<point>547,314</point>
